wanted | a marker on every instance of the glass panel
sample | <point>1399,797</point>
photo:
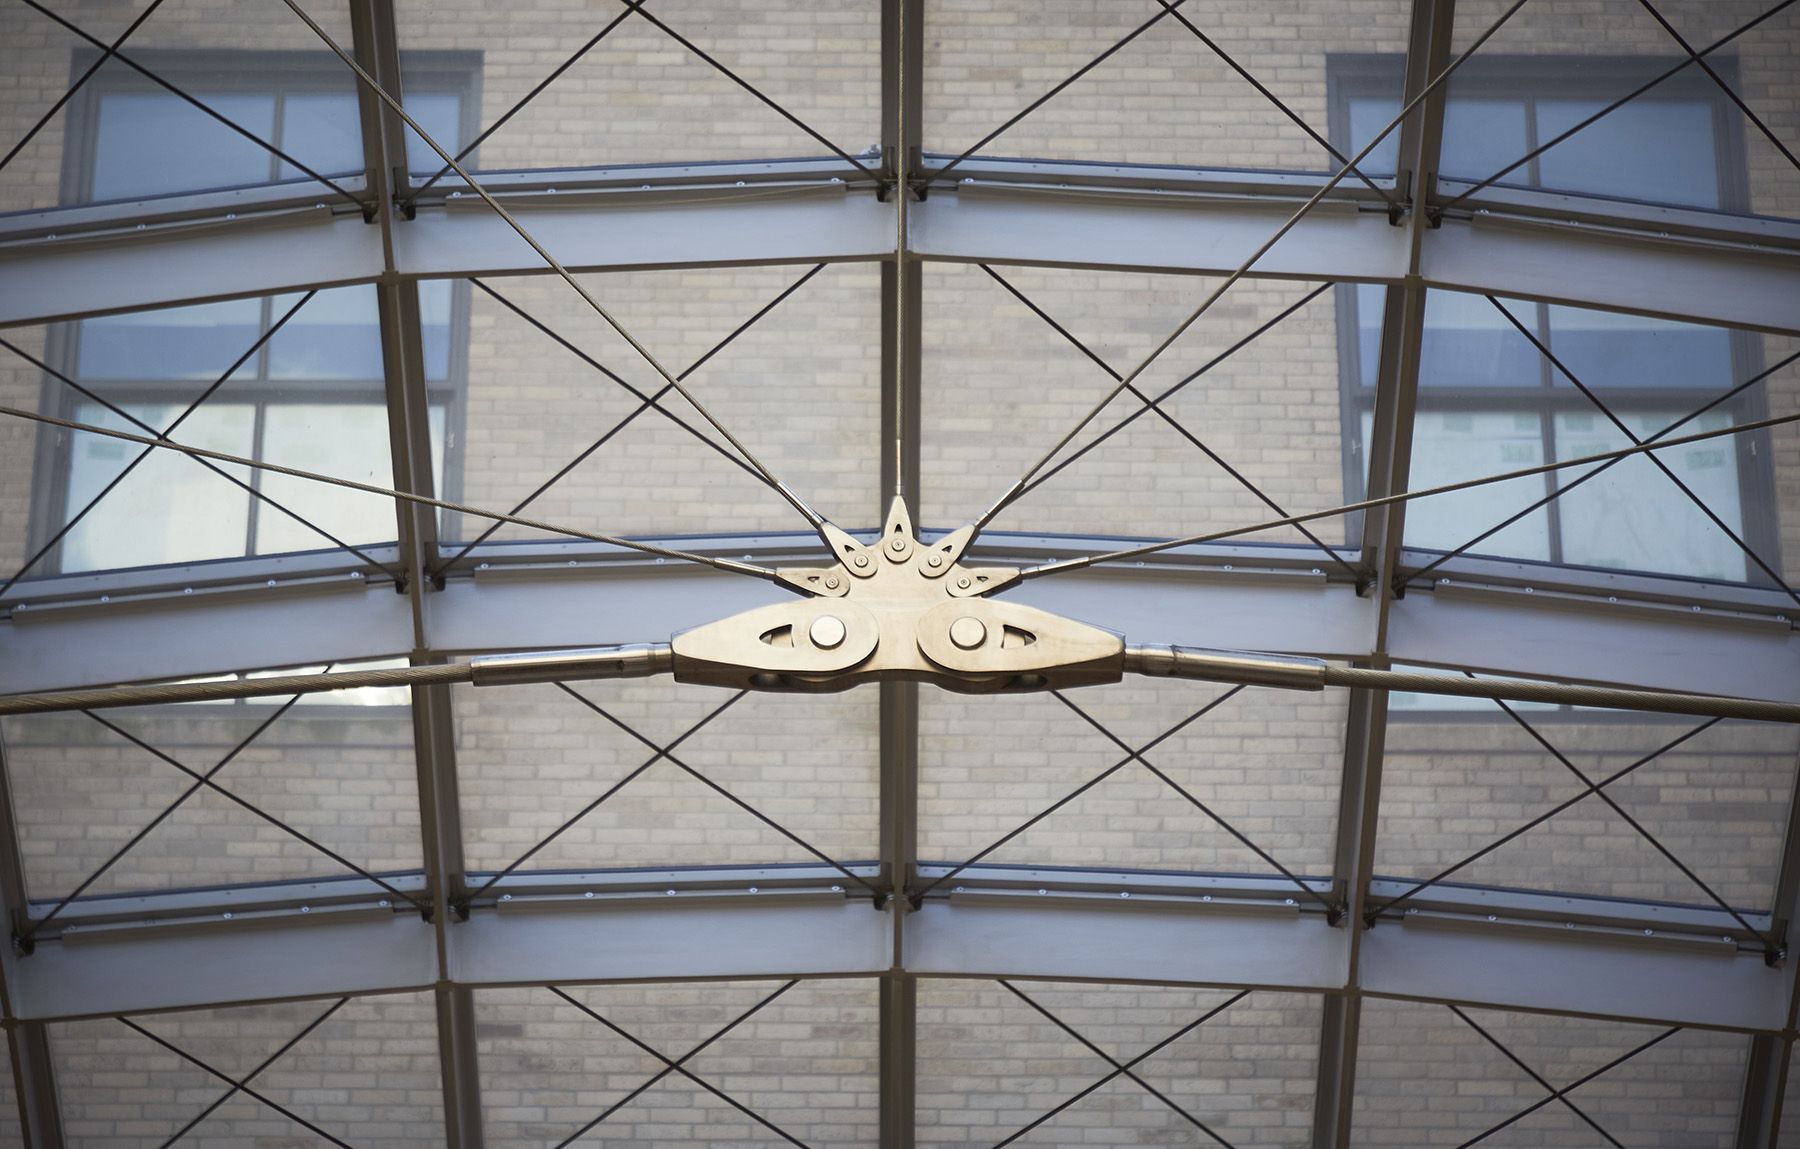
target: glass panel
<point>532,757</point>
<point>800,387</point>
<point>1451,446</point>
<point>344,440</point>
<point>639,96</point>
<point>149,143</point>
<point>435,302</point>
<point>805,1062</point>
<point>1426,1077</point>
<point>987,764</point>
<point>368,1076</point>
<point>322,130</point>
<point>164,508</point>
<point>1607,349</point>
<point>1481,136</point>
<point>337,335</point>
<point>1656,150</point>
<point>1163,98</point>
<point>989,1065</point>
<point>440,114</point>
<point>1469,343</point>
<point>1453,785</point>
<point>338,770</point>
<point>1635,517</point>
<point>199,342</point>
<point>1368,116</point>
<point>1001,387</point>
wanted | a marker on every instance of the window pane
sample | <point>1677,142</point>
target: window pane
<point>169,508</point>
<point>1633,517</point>
<point>175,343</point>
<point>1605,349</point>
<point>1366,118</point>
<point>1449,447</point>
<point>434,312</point>
<point>344,440</point>
<point>1481,137</point>
<point>323,131</point>
<point>1469,343</point>
<point>440,114</point>
<point>148,143</point>
<point>337,335</point>
<point>1661,151</point>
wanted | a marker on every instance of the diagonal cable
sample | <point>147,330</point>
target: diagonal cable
<point>984,141</point>
<point>1243,269</point>
<point>1720,81</point>
<point>161,436</point>
<point>1535,1076</point>
<point>1564,488</point>
<point>1438,211</point>
<point>816,520</point>
<point>1280,105</point>
<point>229,123</point>
<point>440,504</point>
<point>248,488</point>
<point>25,937</point>
<point>237,1086</point>
<point>1199,805</point>
<point>1613,804</point>
<point>645,402</point>
<point>1635,441</point>
<point>720,790</point>
<point>684,1071</point>
<point>107,53</point>
<point>661,752</point>
<point>638,7</point>
<point>1130,757</point>
<point>1155,405</point>
<point>1370,914</point>
<point>207,781</point>
<point>1122,1069</point>
<point>240,1086</point>
<point>1330,512</point>
<point>1116,1064</point>
<point>1557,1095</point>
<point>500,121</point>
<point>672,1066</point>
<point>1075,455</point>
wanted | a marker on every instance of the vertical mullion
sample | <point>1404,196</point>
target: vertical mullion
<point>409,437</point>
<point>1390,466</point>
<point>901,72</point>
<point>34,1076</point>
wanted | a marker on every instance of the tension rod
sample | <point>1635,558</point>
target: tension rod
<point>639,660</point>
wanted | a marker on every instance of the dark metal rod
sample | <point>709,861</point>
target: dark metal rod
<point>723,792</point>
<point>177,692</point>
<point>1586,475</point>
<point>1769,944</point>
<point>1384,501</point>
<point>1375,911</point>
<point>1535,1076</point>
<point>1569,1088</point>
<point>159,81</point>
<point>1130,757</point>
<point>1116,1064</point>
<point>107,53</point>
<point>1144,1056</point>
<point>1219,819</point>
<point>1440,209</point>
<point>161,436</point>
<point>670,1068</point>
<point>661,753</point>
<point>1695,56</point>
<point>684,1071</point>
<point>23,939</point>
<point>235,799</point>
<point>228,1079</point>
<point>1150,404</point>
<point>1669,474</point>
<point>237,1087</point>
<point>648,402</point>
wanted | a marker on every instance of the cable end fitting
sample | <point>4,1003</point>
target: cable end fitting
<point>633,660</point>
<point>1290,672</point>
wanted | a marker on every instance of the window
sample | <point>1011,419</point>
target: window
<point>1490,398</point>
<point>310,394</point>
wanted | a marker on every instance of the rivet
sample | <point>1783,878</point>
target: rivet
<point>837,889</point>
<point>231,215</point>
<point>958,890</point>
<point>671,893</point>
<point>896,545</point>
<point>1043,891</point>
<point>934,561</point>
<point>552,191</point>
<point>1227,566</point>
<point>108,597</point>
<point>227,914</point>
<point>740,183</point>
<point>1124,893</point>
<point>1728,938</point>
<point>753,889</point>
<point>1412,909</point>
<point>142,226</point>
<point>1206,897</point>
<point>1315,570</point>
<point>1492,918</point>
<point>271,582</point>
<point>1696,610</point>
<point>1612,598</point>
<point>860,560</point>
<point>962,583</point>
<point>506,897</point>
<point>968,632</point>
<point>827,632</point>
<point>187,590</point>
<point>52,235</point>
<point>746,558</point>
<point>1289,901</point>
<point>658,560</point>
<point>306,909</point>
<point>1649,933</point>
<point>831,582</point>
<point>587,893</point>
<point>1527,590</point>
<point>1568,925</point>
<point>571,562</point>
<point>1140,562</point>
<point>1443,582</point>
<point>484,566</point>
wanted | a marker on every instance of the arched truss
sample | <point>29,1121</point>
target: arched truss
<point>895,920</point>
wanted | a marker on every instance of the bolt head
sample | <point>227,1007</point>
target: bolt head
<point>962,583</point>
<point>896,545</point>
<point>827,632</point>
<point>860,560</point>
<point>934,561</point>
<point>968,633</point>
<point>831,583</point>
